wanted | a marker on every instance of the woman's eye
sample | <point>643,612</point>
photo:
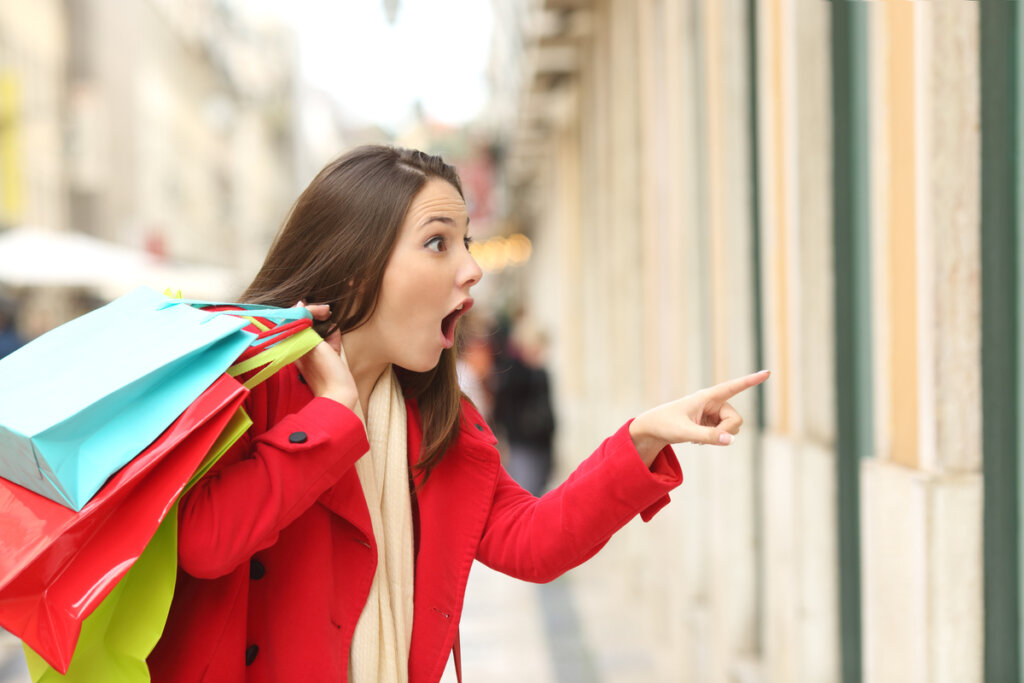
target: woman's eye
<point>436,243</point>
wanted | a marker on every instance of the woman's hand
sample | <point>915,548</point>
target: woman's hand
<point>702,417</point>
<point>325,367</point>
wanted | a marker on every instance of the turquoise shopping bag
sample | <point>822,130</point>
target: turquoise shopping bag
<point>79,402</point>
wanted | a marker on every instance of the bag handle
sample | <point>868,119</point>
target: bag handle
<point>285,335</point>
<point>273,313</point>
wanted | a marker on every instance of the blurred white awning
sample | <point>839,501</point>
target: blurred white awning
<point>38,257</point>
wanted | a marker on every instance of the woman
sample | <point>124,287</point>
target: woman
<point>322,550</point>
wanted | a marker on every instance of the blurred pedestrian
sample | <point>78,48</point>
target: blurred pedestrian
<point>333,542</point>
<point>10,341</point>
<point>475,363</point>
<point>523,407</point>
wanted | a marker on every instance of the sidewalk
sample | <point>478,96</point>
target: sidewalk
<point>514,631</point>
<point>12,660</point>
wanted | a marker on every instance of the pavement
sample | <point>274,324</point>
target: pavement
<point>12,660</point>
<point>512,631</point>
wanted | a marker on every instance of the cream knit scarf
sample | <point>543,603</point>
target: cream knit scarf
<point>380,645</point>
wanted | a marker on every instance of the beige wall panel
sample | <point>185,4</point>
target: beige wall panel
<point>818,578</point>
<point>955,580</point>
<point>894,532</point>
<point>781,636</point>
<point>596,206</point>
<point>735,311</point>
<point>682,344</point>
<point>921,575</point>
<point>735,600</point>
<point>733,593</point>
<point>696,540</point>
<point>690,259</point>
<point>653,196</point>
<point>817,324</point>
<point>565,320</point>
<point>953,200</point>
<point>623,308</point>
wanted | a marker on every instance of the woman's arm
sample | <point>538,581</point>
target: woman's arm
<point>538,539</point>
<point>263,484</point>
<point>630,473</point>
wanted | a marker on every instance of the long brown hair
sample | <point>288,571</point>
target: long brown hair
<point>333,248</point>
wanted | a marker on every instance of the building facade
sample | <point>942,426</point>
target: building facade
<point>33,64</point>
<point>716,187</point>
<point>172,128</point>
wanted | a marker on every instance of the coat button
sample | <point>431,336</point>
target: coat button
<point>256,569</point>
<point>297,437</point>
<point>250,654</point>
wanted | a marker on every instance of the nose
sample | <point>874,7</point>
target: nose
<point>469,272</point>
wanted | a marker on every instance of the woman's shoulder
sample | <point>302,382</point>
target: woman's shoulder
<point>473,424</point>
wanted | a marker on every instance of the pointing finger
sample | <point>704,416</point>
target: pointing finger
<point>730,388</point>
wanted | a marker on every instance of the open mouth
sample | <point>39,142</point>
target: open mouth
<point>449,321</point>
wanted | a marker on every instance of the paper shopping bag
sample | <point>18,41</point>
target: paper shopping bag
<point>117,638</point>
<point>57,565</point>
<point>82,400</point>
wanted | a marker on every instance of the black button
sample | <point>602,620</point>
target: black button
<point>256,569</point>
<point>250,654</point>
<point>298,437</point>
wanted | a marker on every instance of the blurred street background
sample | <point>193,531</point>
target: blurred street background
<point>664,194</point>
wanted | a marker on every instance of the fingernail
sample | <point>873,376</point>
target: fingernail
<point>725,438</point>
<point>762,372</point>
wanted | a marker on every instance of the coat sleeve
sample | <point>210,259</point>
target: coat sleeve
<point>538,539</point>
<point>264,483</point>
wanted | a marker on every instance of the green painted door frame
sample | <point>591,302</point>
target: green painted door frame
<point>851,244</point>
<point>1000,338</point>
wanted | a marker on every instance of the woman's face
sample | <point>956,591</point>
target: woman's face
<point>426,281</point>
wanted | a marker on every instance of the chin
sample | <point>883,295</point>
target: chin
<point>420,364</point>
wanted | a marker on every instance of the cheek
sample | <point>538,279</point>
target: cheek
<point>402,303</point>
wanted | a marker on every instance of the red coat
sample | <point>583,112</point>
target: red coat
<point>277,554</point>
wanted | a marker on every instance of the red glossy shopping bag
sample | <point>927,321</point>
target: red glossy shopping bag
<point>57,565</point>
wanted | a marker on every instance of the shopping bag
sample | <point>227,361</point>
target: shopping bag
<point>113,646</point>
<point>57,565</point>
<point>82,400</point>
<point>119,635</point>
<point>117,638</point>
